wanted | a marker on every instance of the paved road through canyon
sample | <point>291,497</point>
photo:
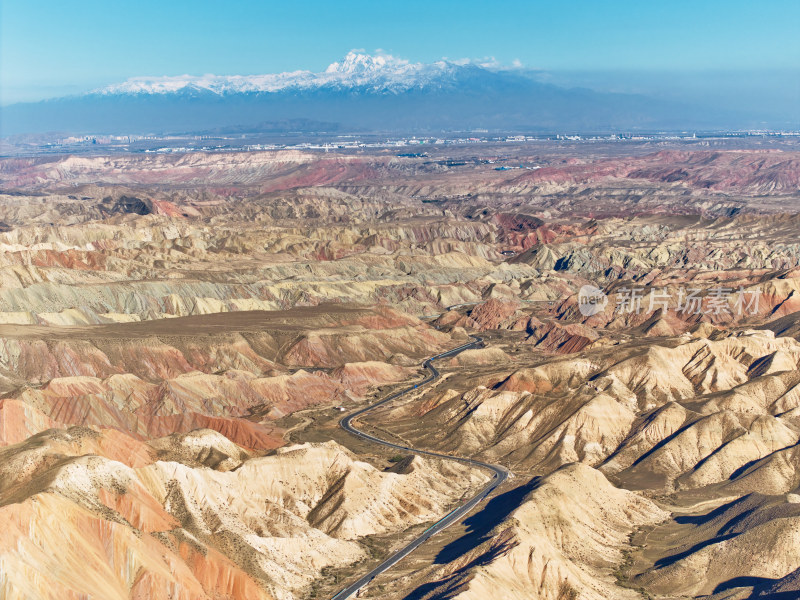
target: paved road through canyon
<point>500,474</point>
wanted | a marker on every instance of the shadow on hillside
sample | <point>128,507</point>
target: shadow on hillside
<point>481,523</point>
<point>744,581</point>
<point>479,526</point>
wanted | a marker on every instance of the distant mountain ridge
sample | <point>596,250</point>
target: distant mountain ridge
<point>381,73</point>
<point>359,93</point>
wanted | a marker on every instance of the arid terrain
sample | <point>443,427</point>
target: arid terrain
<point>180,335</point>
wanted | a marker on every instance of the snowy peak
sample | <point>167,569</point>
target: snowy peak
<point>378,73</point>
<point>365,64</point>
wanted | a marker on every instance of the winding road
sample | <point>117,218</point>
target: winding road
<point>500,474</point>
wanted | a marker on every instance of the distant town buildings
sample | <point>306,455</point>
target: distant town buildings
<point>322,142</point>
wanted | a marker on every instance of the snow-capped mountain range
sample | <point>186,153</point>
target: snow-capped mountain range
<point>360,93</point>
<point>378,73</point>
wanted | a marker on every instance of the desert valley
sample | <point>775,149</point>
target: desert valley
<point>181,334</point>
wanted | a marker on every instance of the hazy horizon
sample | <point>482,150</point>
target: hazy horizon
<point>684,51</point>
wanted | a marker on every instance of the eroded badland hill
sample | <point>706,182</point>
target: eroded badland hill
<point>180,335</point>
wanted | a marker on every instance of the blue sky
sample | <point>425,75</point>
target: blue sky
<point>50,47</point>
